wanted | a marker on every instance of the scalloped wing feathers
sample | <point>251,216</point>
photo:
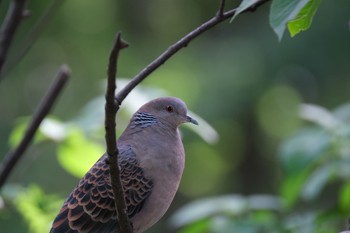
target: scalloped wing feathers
<point>90,206</point>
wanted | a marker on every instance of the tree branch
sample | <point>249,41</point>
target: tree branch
<point>28,41</point>
<point>183,42</point>
<point>221,8</point>
<point>42,110</point>
<point>8,28</point>
<point>111,109</point>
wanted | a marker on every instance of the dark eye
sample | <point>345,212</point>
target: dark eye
<point>170,108</point>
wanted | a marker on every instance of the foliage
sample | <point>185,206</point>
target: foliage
<point>37,208</point>
<point>312,159</point>
<point>256,213</point>
<point>295,15</point>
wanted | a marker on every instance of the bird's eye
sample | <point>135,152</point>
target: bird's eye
<point>170,108</point>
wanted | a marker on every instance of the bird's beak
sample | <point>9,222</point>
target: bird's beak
<point>191,120</point>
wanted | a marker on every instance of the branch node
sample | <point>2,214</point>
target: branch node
<point>123,44</point>
<point>220,12</point>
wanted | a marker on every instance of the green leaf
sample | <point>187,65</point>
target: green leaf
<point>316,182</point>
<point>228,204</point>
<point>19,130</point>
<point>344,199</point>
<point>206,207</point>
<point>37,208</point>
<point>303,149</point>
<point>318,115</point>
<point>50,128</point>
<point>342,113</point>
<point>198,227</point>
<point>77,154</point>
<point>283,11</point>
<point>301,222</point>
<point>291,186</point>
<point>245,4</point>
<point>303,20</point>
<point>299,155</point>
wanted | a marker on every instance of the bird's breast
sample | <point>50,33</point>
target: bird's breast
<point>163,163</point>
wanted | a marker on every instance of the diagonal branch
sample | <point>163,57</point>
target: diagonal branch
<point>42,110</point>
<point>8,28</point>
<point>32,36</point>
<point>112,150</point>
<point>183,42</point>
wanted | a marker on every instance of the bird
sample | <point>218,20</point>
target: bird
<point>151,161</point>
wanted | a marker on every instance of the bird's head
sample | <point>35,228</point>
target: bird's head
<point>169,110</point>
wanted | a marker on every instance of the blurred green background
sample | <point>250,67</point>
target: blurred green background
<point>280,164</point>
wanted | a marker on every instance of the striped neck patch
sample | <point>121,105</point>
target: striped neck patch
<point>143,120</point>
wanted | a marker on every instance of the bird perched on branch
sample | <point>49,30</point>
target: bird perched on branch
<point>151,161</point>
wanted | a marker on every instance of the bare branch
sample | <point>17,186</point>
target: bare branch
<point>183,42</point>
<point>9,26</point>
<point>111,109</point>
<point>221,8</point>
<point>40,113</point>
<point>31,36</point>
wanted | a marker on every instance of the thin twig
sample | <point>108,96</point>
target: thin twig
<point>8,28</point>
<point>183,42</point>
<point>40,113</point>
<point>31,36</point>
<point>111,109</point>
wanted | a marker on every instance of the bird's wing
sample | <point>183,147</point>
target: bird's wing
<point>90,207</point>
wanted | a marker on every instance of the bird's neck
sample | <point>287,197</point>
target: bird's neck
<point>142,120</point>
<point>146,125</point>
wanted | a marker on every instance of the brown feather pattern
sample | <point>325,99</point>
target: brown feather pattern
<point>90,206</point>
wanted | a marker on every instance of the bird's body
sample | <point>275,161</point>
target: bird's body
<point>151,160</point>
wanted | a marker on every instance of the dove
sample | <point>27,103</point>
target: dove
<point>151,160</point>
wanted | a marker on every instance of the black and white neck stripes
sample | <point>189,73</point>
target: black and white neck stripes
<point>143,120</point>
